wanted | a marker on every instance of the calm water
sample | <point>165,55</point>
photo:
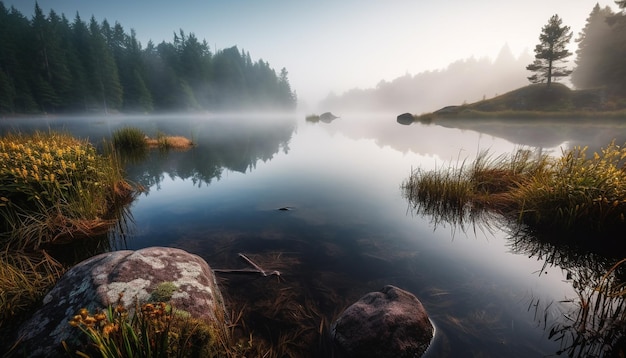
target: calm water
<point>349,230</point>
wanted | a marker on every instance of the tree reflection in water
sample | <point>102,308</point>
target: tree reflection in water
<point>591,324</point>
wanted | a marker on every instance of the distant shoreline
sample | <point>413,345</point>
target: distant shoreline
<point>467,114</point>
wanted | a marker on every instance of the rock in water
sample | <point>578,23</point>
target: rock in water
<point>390,323</point>
<point>327,117</point>
<point>98,282</point>
<point>405,118</point>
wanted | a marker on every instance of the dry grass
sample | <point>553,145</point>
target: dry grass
<point>566,194</point>
<point>169,142</point>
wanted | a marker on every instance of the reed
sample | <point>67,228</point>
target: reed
<point>129,138</point>
<point>569,193</point>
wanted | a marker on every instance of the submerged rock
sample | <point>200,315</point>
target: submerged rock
<point>389,323</point>
<point>138,276</point>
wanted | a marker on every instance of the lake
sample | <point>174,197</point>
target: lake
<point>346,228</point>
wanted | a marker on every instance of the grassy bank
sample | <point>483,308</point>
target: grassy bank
<point>572,193</point>
<point>54,190</point>
<point>538,101</point>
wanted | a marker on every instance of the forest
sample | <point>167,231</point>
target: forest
<point>51,65</point>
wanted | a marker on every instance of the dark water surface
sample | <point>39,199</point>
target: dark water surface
<point>348,229</point>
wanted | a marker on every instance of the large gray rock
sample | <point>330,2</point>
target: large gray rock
<point>389,323</point>
<point>98,282</point>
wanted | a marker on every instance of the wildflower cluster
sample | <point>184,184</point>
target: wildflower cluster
<point>52,186</point>
<point>153,331</point>
<point>47,167</point>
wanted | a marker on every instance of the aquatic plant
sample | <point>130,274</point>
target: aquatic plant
<point>129,138</point>
<point>312,118</point>
<point>564,194</point>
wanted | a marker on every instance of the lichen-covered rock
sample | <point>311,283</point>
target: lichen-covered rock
<point>186,279</point>
<point>390,323</point>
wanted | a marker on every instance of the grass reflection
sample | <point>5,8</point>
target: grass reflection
<point>567,211</point>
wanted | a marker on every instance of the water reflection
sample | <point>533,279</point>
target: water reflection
<point>542,133</point>
<point>590,324</point>
<point>219,146</point>
<point>348,232</point>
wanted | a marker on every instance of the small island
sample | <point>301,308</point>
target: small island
<point>536,101</point>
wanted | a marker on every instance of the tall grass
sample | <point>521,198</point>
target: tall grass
<point>569,193</point>
<point>54,189</point>
<point>129,138</point>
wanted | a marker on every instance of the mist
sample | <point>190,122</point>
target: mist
<point>463,81</point>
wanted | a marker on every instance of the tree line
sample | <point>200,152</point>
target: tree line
<point>600,57</point>
<point>49,64</point>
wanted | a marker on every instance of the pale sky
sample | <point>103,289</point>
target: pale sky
<point>338,45</point>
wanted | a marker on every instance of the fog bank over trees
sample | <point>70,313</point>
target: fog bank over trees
<point>466,80</point>
<point>50,64</point>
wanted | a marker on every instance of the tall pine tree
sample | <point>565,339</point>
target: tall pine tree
<point>593,49</point>
<point>550,51</point>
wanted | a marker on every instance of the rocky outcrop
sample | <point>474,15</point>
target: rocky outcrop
<point>389,323</point>
<point>184,279</point>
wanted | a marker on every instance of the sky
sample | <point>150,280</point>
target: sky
<point>333,46</point>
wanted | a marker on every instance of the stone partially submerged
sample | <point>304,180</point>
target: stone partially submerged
<point>405,118</point>
<point>136,275</point>
<point>391,323</point>
<point>327,117</point>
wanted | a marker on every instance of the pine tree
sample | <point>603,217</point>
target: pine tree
<point>593,49</point>
<point>551,50</point>
<point>104,70</point>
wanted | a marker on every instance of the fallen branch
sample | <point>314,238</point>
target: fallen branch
<point>257,268</point>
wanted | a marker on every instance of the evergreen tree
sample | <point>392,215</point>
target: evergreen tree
<point>285,96</point>
<point>58,54</point>
<point>105,79</point>
<point>614,65</point>
<point>49,64</point>
<point>136,93</point>
<point>550,51</point>
<point>593,49</point>
<point>82,65</point>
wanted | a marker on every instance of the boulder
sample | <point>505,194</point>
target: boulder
<point>135,276</point>
<point>405,118</point>
<point>389,323</point>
